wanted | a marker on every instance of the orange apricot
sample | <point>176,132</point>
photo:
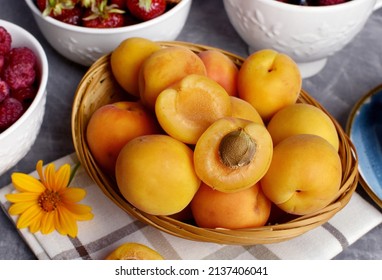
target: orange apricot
<point>233,154</point>
<point>248,208</point>
<point>134,251</point>
<point>126,61</point>
<point>186,109</point>
<point>221,69</point>
<point>244,110</point>
<point>164,68</point>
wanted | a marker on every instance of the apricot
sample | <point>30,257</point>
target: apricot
<point>134,251</point>
<point>301,118</point>
<point>126,61</point>
<point>186,109</point>
<point>244,110</point>
<point>221,69</point>
<point>164,68</point>
<point>304,176</point>
<point>247,208</point>
<point>111,126</point>
<point>156,174</point>
<point>269,80</point>
<point>233,154</point>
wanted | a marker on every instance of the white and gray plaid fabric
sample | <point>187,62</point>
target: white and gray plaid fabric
<point>112,226</point>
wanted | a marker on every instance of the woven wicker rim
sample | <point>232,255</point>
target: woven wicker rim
<point>88,98</point>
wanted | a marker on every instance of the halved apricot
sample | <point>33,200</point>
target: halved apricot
<point>187,108</point>
<point>233,154</point>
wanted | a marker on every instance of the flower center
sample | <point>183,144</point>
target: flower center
<point>48,200</point>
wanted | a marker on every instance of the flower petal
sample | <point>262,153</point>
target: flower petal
<point>62,177</point>
<point>67,222</point>
<point>26,183</point>
<point>36,224</point>
<point>81,212</point>
<point>39,167</point>
<point>50,177</point>
<point>47,222</point>
<point>22,197</point>
<point>72,194</point>
<point>29,216</point>
<point>18,208</point>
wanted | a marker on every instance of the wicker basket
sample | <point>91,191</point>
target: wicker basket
<point>98,87</point>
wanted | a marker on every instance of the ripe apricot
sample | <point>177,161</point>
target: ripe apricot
<point>186,109</point>
<point>305,174</point>
<point>111,126</point>
<point>301,118</point>
<point>247,208</point>
<point>221,69</point>
<point>134,251</point>
<point>244,110</point>
<point>126,61</point>
<point>269,80</point>
<point>155,173</point>
<point>164,68</point>
<point>233,154</point>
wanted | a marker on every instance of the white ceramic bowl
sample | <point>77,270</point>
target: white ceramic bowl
<point>309,34</point>
<point>17,140</point>
<point>85,45</point>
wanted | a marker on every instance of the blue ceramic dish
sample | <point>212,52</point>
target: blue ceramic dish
<point>365,130</point>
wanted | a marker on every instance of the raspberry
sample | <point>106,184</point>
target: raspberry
<point>5,41</point>
<point>20,69</point>
<point>2,62</point>
<point>25,95</point>
<point>10,111</point>
<point>4,90</point>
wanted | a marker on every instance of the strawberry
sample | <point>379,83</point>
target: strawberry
<point>63,10</point>
<point>102,15</point>
<point>146,9</point>
<point>121,4</point>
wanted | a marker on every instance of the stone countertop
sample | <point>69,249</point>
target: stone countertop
<point>348,75</point>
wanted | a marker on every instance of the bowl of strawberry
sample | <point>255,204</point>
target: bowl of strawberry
<point>23,81</point>
<point>84,30</point>
<point>309,31</point>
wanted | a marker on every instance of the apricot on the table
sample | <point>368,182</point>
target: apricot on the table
<point>301,118</point>
<point>134,251</point>
<point>164,68</point>
<point>111,126</point>
<point>187,108</point>
<point>304,176</point>
<point>269,80</point>
<point>221,69</point>
<point>244,110</point>
<point>126,60</point>
<point>247,208</point>
<point>156,174</point>
<point>233,154</point>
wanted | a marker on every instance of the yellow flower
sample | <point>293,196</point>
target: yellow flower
<point>48,204</point>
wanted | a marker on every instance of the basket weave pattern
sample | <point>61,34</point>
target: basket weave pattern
<point>98,88</point>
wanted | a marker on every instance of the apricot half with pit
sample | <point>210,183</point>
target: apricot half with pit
<point>186,109</point>
<point>233,154</point>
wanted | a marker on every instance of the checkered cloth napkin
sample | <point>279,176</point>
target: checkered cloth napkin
<point>112,227</point>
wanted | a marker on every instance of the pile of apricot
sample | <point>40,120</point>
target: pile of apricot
<point>212,141</point>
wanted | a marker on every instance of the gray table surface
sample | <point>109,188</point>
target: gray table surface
<point>348,75</point>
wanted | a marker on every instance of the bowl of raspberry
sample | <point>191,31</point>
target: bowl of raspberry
<point>84,30</point>
<point>23,80</point>
<point>309,31</point>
